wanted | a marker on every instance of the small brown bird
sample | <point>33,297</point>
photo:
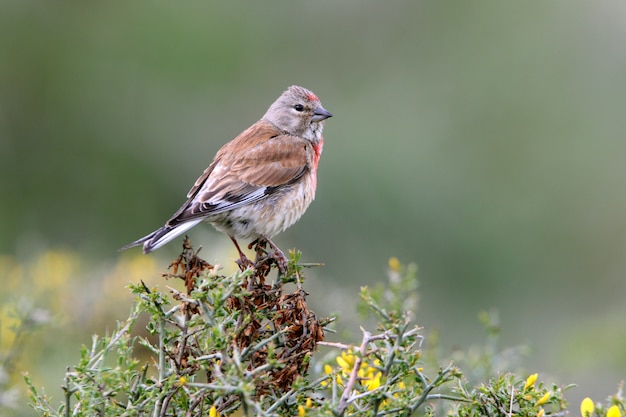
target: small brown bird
<point>261,182</point>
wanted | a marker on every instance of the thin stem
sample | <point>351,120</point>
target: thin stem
<point>213,387</point>
<point>161,349</point>
<point>429,387</point>
<point>68,392</point>
<point>345,397</point>
<point>193,406</point>
<point>335,344</point>
<point>249,350</point>
<point>291,393</point>
<point>184,336</point>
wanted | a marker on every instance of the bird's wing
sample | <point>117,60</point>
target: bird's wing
<point>252,166</point>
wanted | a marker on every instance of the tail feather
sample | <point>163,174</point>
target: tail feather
<point>162,236</point>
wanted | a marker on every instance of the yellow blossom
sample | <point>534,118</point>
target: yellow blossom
<point>12,273</point>
<point>543,399</point>
<point>182,381</point>
<point>530,381</point>
<point>394,264</point>
<point>328,369</point>
<point>8,321</point>
<point>213,412</point>
<point>613,411</point>
<point>301,411</point>
<point>346,361</point>
<point>308,402</point>
<point>373,382</point>
<point>541,412</point>
<point>586,407</point>
<point>53,269</point>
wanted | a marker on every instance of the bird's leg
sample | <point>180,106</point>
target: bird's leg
<point>262,254</point>
<point>278,255</point>
<point>243,260</point>
<point>259,247</point>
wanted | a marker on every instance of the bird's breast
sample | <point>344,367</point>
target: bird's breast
<point>271,215</point>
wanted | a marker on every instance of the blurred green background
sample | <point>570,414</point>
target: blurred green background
<point>483,140</point>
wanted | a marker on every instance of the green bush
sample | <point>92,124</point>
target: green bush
<point>237,345</point>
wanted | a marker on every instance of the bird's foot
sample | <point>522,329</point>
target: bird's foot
<point>243,262</point>
<point>281,260</point>
<point>264,257</point>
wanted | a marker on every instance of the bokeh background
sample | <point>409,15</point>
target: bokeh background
<point>484,141</point>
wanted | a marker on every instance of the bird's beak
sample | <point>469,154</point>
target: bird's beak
<point>320,114</point>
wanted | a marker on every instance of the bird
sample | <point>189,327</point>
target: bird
<point>258,184</point>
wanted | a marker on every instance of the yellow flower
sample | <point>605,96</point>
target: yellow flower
<point>327,370</point>
<point>541,412</point>
<point>373,382</point>
<point>543,399</point>
<point>53,269</point>
<point>613,411</point>
<point>586,407</point>
<point>12,273</point>
<point>7,322</point>
<point>213,412</point>
<point>302,408</point>
<point>394,264</point>
<point>530,381</point>
<point>182,381</point>
<point>346,361</point>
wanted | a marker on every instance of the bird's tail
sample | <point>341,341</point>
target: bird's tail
<point>161,236</point>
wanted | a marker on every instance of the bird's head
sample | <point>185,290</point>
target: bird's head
<point>298,112</point>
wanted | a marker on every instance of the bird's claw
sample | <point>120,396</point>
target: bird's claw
<point>281,263</point>
<point>243,262</point>
<point>279,259</point>
<point>266,257</point>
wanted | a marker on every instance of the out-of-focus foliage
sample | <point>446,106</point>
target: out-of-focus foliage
<point>484,140</point>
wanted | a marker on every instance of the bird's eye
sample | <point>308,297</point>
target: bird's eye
<point>298,107</point>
